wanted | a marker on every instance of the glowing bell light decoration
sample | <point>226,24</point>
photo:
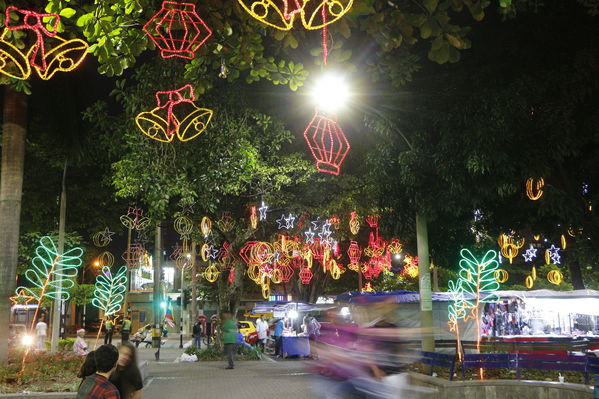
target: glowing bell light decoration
<point>177,30</point>
<point>175,115</point>
<point>327,142</point>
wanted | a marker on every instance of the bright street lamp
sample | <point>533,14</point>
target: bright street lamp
<point>330,92</point>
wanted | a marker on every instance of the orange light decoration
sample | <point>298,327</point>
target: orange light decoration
<point>174,115</point>
<point>135,219</point>
<point>225,223</point>
<point>106,259</point>
<point>205,252</point>
<point>335,221</point>
<point>49,54</point>
<point>411,267</point>
<point>395,247</point>
<point>509,246</point>
<point>563,242</point>
<point>206,226</point>
<point>534,188</point>
<point>135,255</point>
<point>177,30</point>
<point>327,143</point>
<point>529,281</point>
<point>354,222</point>
<point>253,217</point>
<point>501,275</point>
<point>368,287</point>
<point>102,238</point>
<point>314,14</point>
<point>211,273</point>
<point>555,277</point>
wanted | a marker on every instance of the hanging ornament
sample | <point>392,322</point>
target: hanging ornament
<point>263,209</point>
<point>354,223</point>
<point>552,255</point>
<point>253,217</point>
<point>335,221</point>
<point>395,246</point>
<point>231,275</point>
<point>563,242</point>
<point>135,256</point>
<point>106,259</point>
<point>309,236</point>
<point>211,273</point>
<point>225,223</point>
<point>102,238</point>
<point>305,275</point>
<point>534,188</point>
<point>206,226</point>
<point>327,142</point>
<point>175,114</point>
<point>509,246</point>
<point>501,275</point>
<point>135,219</point>
<point>177,30</point>
<point>530,254</point>
<point>49,54</point>
<point>529,281</point>
<point>555,277</point>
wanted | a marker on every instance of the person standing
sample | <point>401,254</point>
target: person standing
<point>126,330</point>
<point>41,329</point>
<point>127,377</point>
<point>100,364</point>
<point>109,326</point>
<point>261,329</point>
<point>197,334</point>
<point>279,326</point>
<point>80,346</point>
<point>229,338</point>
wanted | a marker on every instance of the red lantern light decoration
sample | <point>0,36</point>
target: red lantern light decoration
<point>135,255</point>
<point>175,114</point>
<point>231,275</point>
<point>327,142</point>
<point>286,272</point>
<point>354,252</point>
<point>49,54</point>
<point>305,275</point>
<point>177,30</point>
<point>376,246</point>
<point>246,250</point>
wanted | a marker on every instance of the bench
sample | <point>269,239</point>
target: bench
<point>432,359</point>
<point>553,362</point>
<point>489,361</point>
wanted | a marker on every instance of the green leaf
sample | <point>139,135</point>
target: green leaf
<point>67,12</point>
<point>431,5</point>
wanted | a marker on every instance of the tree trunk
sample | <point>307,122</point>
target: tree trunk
<point>424,284</point>
<point>11,184</point>
<point>576,274</point>
<point>57,311</point>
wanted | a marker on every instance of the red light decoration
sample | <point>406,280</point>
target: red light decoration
<point>335,221</point>
<point>286,272</point>
<point>318,249</point>
<point>373,221</point>
<point>246,250</point>
<point>177,30</point>
<point>354,222</point>
<point>175,114</point>
<point>231,275</point>
<point>49,54</point>
<point>253,217</point>
<point>305,275</point>
<point>354,252</point>
<point>376,246</point>
<point>327,142</point>
<point>134,256</point>
<point>395,246</point>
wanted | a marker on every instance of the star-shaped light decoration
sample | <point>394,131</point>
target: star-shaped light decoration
<point>309,236</point>
<point>263,209</point>
<point>316,223</point>
<point>325,231</point>
<point>554,254</point>
<point>530,254</point>
<point>213,254</point>
<point>281,222</point>
<point>289,220</point>
<point>478,215</point>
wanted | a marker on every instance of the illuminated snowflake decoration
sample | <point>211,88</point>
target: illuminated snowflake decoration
<point>530,254</point>
<point>554,254</point>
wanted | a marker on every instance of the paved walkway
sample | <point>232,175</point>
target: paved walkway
<point>265,379</point>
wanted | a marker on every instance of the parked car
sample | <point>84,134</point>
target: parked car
<point>246,327</point>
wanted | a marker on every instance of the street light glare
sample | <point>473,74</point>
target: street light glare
<point>330,92</point>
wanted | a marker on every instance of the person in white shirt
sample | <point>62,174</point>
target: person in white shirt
<point>41,329</point>
<point>262,330</point>
<point>80,346</point>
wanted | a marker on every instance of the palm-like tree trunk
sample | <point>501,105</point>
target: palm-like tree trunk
<point>11,184</point>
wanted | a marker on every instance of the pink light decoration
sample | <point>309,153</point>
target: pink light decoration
<point>373,221</point>
<point>327,142</point>
<point>318,248</point>
<point>177,30</point>
<point>231,275</point>
<point>335,221</point>
<point>246,250</point>
<point>286,272</point>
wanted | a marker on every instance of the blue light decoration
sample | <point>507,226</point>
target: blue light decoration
<point>530,254</point>
<point>262,210</point>
<point>554,254</point>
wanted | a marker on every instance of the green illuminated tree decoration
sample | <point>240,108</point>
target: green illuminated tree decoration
<point>52,273</point>
<point>475,277</point>
<point>109,291</point>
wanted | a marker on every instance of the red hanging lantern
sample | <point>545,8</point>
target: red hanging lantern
<point>177,30</point>
<point>305,275</point>
<point>327,142</point>
<point>231,275</point>
<point>246,250</point>
<point>354,252</point>
<point>286,272</point>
